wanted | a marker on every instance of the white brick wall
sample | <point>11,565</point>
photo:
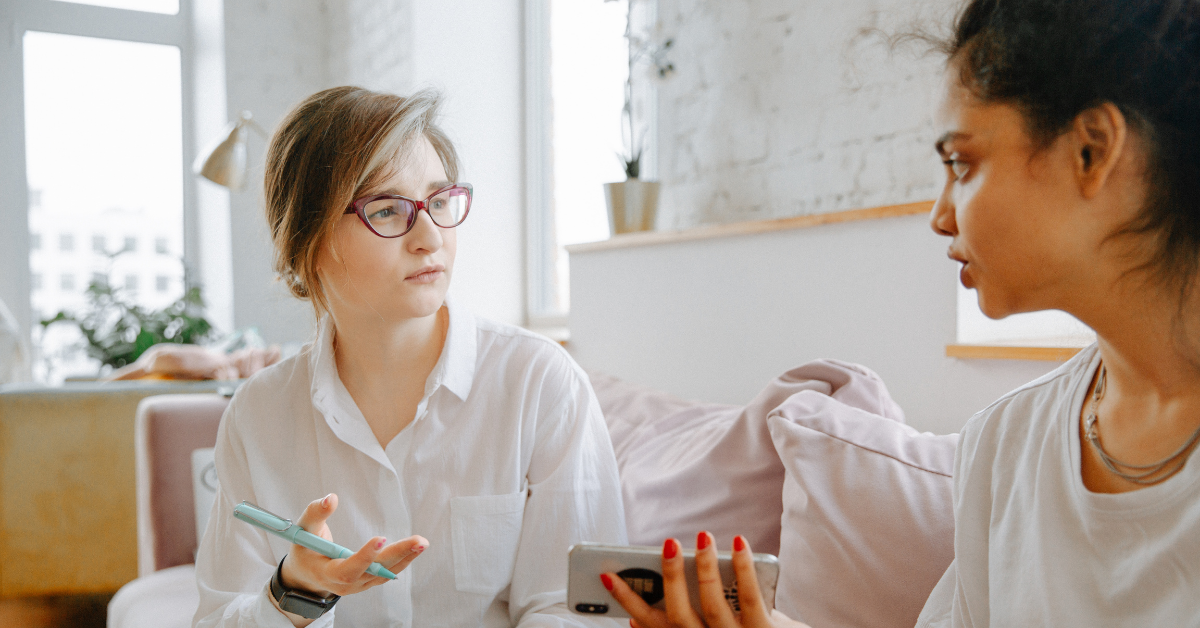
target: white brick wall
<point>780,108</point>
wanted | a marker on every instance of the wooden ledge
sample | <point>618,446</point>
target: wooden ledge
<point>1001,352</point>
<point>644,238</point>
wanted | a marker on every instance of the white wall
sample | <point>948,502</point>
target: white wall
<point>779,108</point>
<point>717,319</point>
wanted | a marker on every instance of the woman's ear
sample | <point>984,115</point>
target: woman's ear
<point>1100,139</point>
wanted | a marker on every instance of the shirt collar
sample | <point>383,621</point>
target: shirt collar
<point>456,367</point>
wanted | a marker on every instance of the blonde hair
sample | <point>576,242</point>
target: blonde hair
<point>326,153</point>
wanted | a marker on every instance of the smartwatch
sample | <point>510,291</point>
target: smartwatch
<point>297,602</point>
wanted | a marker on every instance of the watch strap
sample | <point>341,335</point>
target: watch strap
<point>302,603</point>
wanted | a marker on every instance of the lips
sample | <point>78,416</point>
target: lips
<point>426,274</point>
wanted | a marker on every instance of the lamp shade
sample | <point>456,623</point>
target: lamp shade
<point>224,162</point>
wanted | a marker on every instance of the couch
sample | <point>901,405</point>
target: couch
<point>819,468</point>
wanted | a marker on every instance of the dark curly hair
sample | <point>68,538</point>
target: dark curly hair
<point>1053,59</point>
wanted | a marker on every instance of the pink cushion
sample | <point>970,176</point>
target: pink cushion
<point>167,429</point>
<point>868,523</point>
<point>687,467</point>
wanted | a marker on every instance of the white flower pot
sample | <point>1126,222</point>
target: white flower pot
<point>632,205</point>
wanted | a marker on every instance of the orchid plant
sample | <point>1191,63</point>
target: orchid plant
<point>641,48</point>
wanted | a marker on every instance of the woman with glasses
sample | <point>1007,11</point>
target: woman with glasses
<point>464,455</point>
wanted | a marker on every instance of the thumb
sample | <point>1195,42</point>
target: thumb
<point>315,514</point>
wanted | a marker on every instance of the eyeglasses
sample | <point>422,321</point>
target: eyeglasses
<point>391,215</point>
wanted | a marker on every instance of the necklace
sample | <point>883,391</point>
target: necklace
<point>1138,474</point>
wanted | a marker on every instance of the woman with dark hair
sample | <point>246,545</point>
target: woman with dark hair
<point>1070,131</point>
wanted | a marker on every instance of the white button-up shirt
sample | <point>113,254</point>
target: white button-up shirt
<point>506,465</point>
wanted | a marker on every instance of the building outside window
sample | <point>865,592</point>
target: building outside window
<point>161,246</point>
<point>162,283</point>
<point>98,243</point>
<point>130,244</point>
<point>66,242</point>
<point>67,282</point>
<point>131,282</point>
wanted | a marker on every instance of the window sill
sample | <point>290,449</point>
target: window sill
<point>1004,352</point>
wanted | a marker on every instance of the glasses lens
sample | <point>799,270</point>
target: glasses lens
<point>389,216</point>
<point>450,207</point>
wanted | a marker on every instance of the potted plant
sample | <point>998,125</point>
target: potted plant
<point>117,332</point>
<point>633,203</point>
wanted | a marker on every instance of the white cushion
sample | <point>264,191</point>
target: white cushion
<point>163,599</point>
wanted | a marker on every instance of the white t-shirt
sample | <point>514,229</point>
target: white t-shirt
<point>1034,547</point>
<point>507,464</point>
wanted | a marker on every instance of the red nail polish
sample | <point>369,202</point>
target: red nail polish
<point>607,580</point>
<point>701,540</point>
<point>670,549</point>
<point>380,543</point>
<point>739,543</point>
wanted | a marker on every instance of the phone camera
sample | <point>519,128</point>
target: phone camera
<point>595,609</point>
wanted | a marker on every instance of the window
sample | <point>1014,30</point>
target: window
<point>162,283</point>
<point>131,283</point>
<point>100,279</point>
<point>161,247</point>
<point>577,61</point>
<point>108,80</point>
<point>130,244</point>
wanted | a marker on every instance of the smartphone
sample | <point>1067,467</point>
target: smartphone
<point>641,568</point>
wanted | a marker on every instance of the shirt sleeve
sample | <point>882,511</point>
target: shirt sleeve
<point>574,496</point>
<point>235,563</point>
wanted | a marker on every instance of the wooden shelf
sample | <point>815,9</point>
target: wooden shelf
<point>1002,352</point>
<point>645,238</point>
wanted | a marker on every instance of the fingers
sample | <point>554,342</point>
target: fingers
<point>712,591</point>
<point>754,609</point>
<point>639,610</point>
<point>314,515</point>
<point>675,590</point>
<point>353,569</point>
<point>397,556</point>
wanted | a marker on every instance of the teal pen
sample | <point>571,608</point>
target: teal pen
<point>293,532</point>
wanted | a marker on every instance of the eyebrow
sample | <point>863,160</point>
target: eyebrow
<point>940,145</point>
<point>437,185</point>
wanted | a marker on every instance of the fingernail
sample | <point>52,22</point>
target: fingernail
<point>702,540</point>
<point>739,543</point>
<point>417,549</point>
<point>325,501</point>
<point>380,543</point>
<point>607,580</point>
<point>670,549</point>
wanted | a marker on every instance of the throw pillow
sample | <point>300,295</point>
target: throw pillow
<point>868,522</point>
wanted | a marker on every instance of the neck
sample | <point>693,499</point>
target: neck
<point>371,353</point>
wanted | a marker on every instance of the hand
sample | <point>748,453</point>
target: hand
<point>716,611</point>
<point>250,361</point>
<point>309,571</point>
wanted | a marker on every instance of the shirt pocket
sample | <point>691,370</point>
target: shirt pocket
<point>485,532</point>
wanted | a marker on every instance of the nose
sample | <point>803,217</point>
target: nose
<point>941,217</point>
<point>424,237</point>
